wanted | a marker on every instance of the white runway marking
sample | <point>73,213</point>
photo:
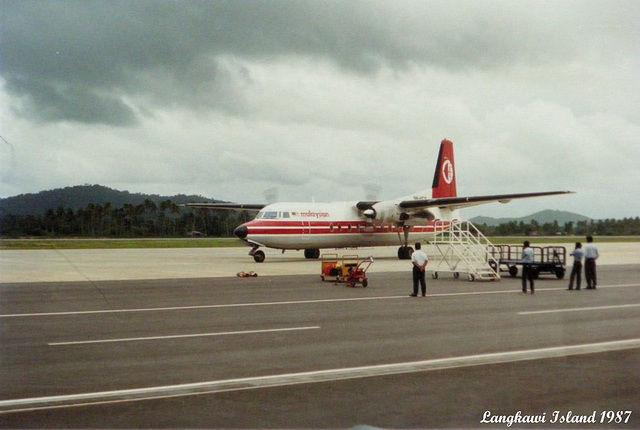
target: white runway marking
<point>251,383</point>
<point>291,302</point>
<point>181,336</point>
<point>188,308</point>
<point>591,308</point>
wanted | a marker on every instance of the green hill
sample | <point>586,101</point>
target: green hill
<point>79,197</point>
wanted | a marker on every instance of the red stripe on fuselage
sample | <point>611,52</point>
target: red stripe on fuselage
<point>263,227</point>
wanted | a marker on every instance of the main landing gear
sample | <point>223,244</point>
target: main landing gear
<point>309,254</point>
<point>405,251</point>
<point>312,254</point>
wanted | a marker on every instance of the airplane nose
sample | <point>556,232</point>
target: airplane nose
<point>241,232</point>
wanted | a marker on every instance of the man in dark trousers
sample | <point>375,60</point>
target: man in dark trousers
<point>590,256</point>
<point>420,260</point>
<point>527,267</point>
<point>576,272</point>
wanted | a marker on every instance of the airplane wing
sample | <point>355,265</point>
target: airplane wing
<point>225,206</point>
<point>417,209</point>
<point>464,202</point>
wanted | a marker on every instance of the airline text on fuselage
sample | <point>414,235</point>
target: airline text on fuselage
<point>314,214</point>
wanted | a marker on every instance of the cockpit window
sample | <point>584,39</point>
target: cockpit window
<point>268,215</point>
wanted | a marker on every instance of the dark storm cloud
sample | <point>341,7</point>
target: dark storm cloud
<point>48,103</point>
<point>80,60</point>
<point>97,61</point>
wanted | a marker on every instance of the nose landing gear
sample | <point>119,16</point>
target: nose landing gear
<point>257,255</point>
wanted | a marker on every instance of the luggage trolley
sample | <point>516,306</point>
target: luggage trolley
<point>350,269</point>
<point>546,259</point>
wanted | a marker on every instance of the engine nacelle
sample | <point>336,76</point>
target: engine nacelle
<point>392,213</point>
<point>386,212</point>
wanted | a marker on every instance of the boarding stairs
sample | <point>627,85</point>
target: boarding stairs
<point>463,248</point>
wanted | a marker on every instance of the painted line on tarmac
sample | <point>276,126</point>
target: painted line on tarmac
<point>251,383</point>
<point>291,302</point>
<point>196,307</point>
<point>181,336</point>
<point>590,308</point>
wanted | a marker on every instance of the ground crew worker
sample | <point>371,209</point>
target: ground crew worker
<point>527,267</point>
<point>576,272</point>
<point>420,260</point>
<point>590,256</point>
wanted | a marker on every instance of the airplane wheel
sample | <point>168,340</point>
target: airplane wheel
<point>434,275</point>
<point>312,254</point>
<point>471,278</point>
<point>405,252</point>
<point>259,256</point>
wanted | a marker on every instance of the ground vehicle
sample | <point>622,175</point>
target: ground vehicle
<point>350,269</point>
<point>550,259</point>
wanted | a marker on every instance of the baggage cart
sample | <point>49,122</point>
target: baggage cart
<point>546,259</point>
<point>350,269</point>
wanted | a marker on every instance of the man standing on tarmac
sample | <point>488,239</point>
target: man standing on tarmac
<point>590,256</point>
<point>576,272</point>
<point>527,267</point>
<point>420,260</point>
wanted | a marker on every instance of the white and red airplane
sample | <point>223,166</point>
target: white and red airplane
<point>353,224</point>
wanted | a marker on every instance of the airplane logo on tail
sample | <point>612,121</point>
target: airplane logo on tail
<point>447,171</point>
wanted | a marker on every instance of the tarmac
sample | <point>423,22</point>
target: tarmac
<point>105,265</point>
<point>172,338</point>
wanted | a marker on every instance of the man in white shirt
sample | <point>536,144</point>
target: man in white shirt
<point>590,256</point>
<point>527,267</point>
<point>420,260</point>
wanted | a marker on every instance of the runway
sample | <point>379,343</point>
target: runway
<point>291,351</point>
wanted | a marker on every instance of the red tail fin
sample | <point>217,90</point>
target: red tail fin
<point>444,180</point>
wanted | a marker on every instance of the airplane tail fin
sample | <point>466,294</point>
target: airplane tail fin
<point>444,180</point>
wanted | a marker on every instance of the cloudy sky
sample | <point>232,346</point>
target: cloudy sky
<point>249,101</point>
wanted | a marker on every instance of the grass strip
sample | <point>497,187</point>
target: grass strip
<point>29,244</point>
<point>34,244</point>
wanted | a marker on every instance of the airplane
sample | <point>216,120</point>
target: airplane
<point>366,223</point>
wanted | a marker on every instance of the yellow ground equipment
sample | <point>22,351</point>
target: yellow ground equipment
<point>349,268</point>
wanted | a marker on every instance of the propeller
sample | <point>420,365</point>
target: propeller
<point>372,191</point>
<point>270,195</point>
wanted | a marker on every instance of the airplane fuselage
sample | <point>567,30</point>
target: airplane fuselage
<point>327,225</point>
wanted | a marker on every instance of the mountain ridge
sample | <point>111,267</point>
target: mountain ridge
<point>80,196</point>
<point>541,217</point>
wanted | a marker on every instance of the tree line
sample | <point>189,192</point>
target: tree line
<point>606,227</point>
<point>168,219</point>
